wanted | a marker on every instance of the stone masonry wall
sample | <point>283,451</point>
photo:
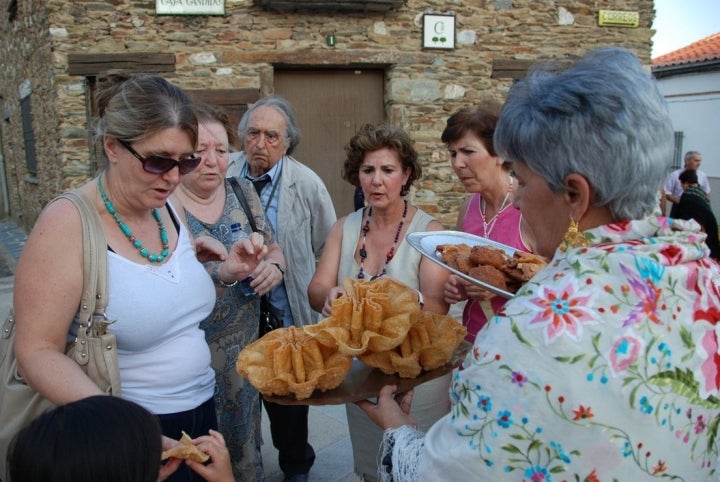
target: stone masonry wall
<point>27,66</point>
<point>240,50</point>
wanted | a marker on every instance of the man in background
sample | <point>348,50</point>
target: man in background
<point>300,210</point>
<point>672,188</point>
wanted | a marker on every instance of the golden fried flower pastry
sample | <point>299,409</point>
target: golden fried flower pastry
<point>186,451</point>
<point>429,344</point>
<point>289,361</point>
<point>370,316</point>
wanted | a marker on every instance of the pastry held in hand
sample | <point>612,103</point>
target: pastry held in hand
<point>289,361</point>
<point>371,316</point>
<point>429,344</point>
<point>186,451</point>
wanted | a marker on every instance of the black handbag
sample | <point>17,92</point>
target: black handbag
<point>271,318</point>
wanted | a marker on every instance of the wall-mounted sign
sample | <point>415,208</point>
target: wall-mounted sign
<point>190,7</point>
<point>618,18</point>
<point>438,31</point>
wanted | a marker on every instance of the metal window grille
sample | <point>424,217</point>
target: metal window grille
<point>677,151</point>
<point>28,135</point>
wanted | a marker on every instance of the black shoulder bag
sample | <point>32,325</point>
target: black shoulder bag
<point>270,317</point>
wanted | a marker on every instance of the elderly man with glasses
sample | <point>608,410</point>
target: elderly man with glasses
<point>301,212</point>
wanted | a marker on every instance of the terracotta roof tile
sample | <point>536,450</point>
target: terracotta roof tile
<point>703,50</point>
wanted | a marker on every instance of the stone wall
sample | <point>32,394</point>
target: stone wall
<point>239,50</point>
<point>27,66</point>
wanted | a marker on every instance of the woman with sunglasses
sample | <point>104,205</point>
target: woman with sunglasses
<point>158,290</point>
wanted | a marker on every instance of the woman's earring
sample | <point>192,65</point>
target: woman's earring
<point>573,238</point>
<point>404,191</point>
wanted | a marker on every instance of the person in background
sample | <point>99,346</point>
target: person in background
<point>603,366</point>
<point>212,208</point>
<point>672,188</point>
<point>488,212</point>
<point>158,291</point>
<point>301,212</point>
<point>358,198</point>
<point>101,438</point>
<point>370,243</point>
<point>694,205</point>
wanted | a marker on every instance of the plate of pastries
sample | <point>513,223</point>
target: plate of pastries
<point>498,268</point>
<point>377,335</point>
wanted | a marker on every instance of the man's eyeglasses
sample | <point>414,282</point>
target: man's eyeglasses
<point>271,137</point>
<point>160,164</point>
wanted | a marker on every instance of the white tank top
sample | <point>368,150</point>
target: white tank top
<point>163,356</point>
<point>405,265</point>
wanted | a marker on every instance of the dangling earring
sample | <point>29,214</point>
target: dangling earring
<point>573,238</point>
<point>404,191</point>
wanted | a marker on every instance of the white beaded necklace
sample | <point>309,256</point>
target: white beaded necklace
<point>490,225</point>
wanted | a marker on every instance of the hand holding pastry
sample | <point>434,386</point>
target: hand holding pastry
<point>219,468</point>
<point>185,450</point>
<point>171,464</point>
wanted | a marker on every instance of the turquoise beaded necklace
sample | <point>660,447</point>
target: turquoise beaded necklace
<point>152,257</point>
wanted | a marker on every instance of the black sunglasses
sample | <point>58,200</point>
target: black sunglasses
<point>160,164</point>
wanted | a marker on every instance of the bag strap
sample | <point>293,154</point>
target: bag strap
<point>248,214</point>
<point>243,202</point>
<point>94,297</point>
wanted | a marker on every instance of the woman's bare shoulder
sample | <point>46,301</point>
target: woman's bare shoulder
<point>435,225</point>
<point>57,230</point>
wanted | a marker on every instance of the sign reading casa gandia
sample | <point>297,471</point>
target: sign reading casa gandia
<point>190,7</point>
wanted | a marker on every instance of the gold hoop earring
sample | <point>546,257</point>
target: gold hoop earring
<point>573,238</point>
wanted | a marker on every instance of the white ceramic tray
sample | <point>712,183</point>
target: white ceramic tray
<point>426,243</point>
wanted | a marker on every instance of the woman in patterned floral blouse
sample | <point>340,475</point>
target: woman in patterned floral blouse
<point>605,365</point>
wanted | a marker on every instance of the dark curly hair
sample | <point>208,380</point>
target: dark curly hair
<point>372,137</point>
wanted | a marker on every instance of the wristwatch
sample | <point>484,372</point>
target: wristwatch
<point>282,270</point>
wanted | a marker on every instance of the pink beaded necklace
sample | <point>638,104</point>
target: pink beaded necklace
<point>390,253</point>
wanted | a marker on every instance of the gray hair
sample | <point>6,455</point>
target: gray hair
<point>690,154</point>
<point>133,107</point>
<point>603,118</point>
<point>281,105</point>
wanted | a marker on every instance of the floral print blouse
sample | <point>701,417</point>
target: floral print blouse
<point>605,366</point>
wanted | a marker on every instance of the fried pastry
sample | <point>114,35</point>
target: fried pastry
<point>492,265</point>
<point>455,255</point>
<point>490,275</point>
<point>186,451</point>
<point>429,344</point>
<point>523,266</point>
<point>370,316</point>
<point>289,361</point>
<point>487,255</point>
<point>450,249</point>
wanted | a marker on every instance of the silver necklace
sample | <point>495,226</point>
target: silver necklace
<point>490,225</point>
